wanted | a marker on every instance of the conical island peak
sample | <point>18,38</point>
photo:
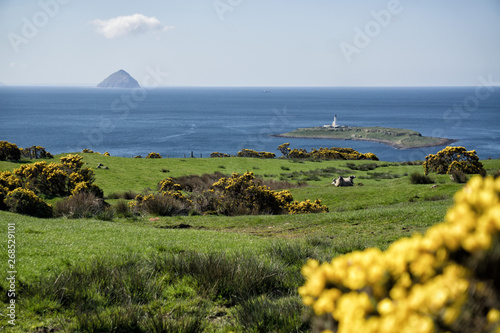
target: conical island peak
<point>119,79</point>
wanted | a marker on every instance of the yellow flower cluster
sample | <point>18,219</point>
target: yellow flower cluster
<point>244,191</point>
<point>23,201</point>
<point>72,161</point>
<point>90,151</point>
<point>256,154</point>
<point>419,284</point>
<point>333,153</point>
<point>216,154</point>
<point>305,207</point>
<point>87,187</point>
<point>153,155</point>
<point>453,159</point>
<point>168,184</point>
<point>9,151</point>
<point>54,179</point>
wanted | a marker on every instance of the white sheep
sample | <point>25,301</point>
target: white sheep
<point>341,181</point>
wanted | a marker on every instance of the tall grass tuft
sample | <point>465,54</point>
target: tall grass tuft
<point>124,294</point>
<point>230,277</point>
<point>189,323</point>
<point>265,314</point>
<point>102,283</point>
<point>458,176</point>
<point>291,252</point>
<point>117,319</point>
<point>80,205</point>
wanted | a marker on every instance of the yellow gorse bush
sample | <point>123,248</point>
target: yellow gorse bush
<point>9,151</point>
<point>246,194</point>
<point>308,206</point>
<point>153,155</point>
<point>52,179</point>
<point>333,153</point>
<point>168,184</point>
<point>23,201</point>
<point>216,154</point>
<point>444,281</point>
<point>453,159</point>
<point>256,154</point>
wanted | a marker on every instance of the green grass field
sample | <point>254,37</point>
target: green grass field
<point>216,273</point>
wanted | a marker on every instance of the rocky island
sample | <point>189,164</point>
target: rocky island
<point>120,79</point>
<point>395,137</point>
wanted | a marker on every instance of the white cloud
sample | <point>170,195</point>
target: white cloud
<point>12,64</point>
<point>128,25</point>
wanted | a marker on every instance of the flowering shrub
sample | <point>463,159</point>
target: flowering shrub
<point>9,151</point>
<point>256,154</point>
<point>327,153</point>
<point>284,149</point>
<point>23,201</point>
<point>305,207</point>
<point>87,187</point>
<point>107,154</point>
<point>217,154</point>
<point>57,179</point>
<point>445,281</point>
<point>153,155</point>
<point>238,195</point>
<point>34,177</point>
<point>453,159</point>
<point>8,182</point>
<point>72,161</point>
<point>168,184</point>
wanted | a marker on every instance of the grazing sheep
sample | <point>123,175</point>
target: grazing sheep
<point>341,181</point>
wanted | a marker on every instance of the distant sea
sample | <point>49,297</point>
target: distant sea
<point>177,121</point>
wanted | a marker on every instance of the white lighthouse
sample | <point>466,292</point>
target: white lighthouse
<point>334,124</point>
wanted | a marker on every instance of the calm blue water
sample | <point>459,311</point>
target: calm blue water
<point>176,121</point>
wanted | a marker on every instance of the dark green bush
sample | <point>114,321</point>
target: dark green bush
<point>122,209</point>
<point>418,178</point>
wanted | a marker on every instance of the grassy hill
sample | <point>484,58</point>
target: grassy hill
<point>208,273</point>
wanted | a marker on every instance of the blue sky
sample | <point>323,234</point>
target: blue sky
<point>251,43</point>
